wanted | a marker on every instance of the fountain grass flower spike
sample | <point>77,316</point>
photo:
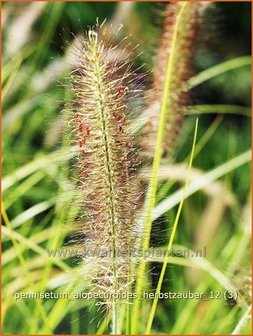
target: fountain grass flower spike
<point>183,55</point>
<point>106,162</point>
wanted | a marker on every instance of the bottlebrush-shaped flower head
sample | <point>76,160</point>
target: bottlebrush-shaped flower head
<point>181,29</point>
<point>106,161</point>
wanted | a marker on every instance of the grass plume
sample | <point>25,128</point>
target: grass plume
<point>107,173</point>
<point>183,54</point>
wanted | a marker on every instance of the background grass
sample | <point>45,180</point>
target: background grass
<point>39,213</point>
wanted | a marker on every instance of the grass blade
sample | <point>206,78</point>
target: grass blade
<point>174,228</point>
<point>218,70</point>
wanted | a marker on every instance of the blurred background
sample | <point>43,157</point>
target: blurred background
<point>36,58</point>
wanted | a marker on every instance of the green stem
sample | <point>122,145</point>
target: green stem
<point>156,163</point>
<point>105,132</point>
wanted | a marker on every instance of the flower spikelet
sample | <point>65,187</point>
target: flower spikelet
<point>107,179</point>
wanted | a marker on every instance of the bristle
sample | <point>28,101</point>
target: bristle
<point>182,71</point>
<point>105,160</point>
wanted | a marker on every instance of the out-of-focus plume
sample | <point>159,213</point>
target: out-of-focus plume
<point>187,26</point>
<point>19,32</point>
